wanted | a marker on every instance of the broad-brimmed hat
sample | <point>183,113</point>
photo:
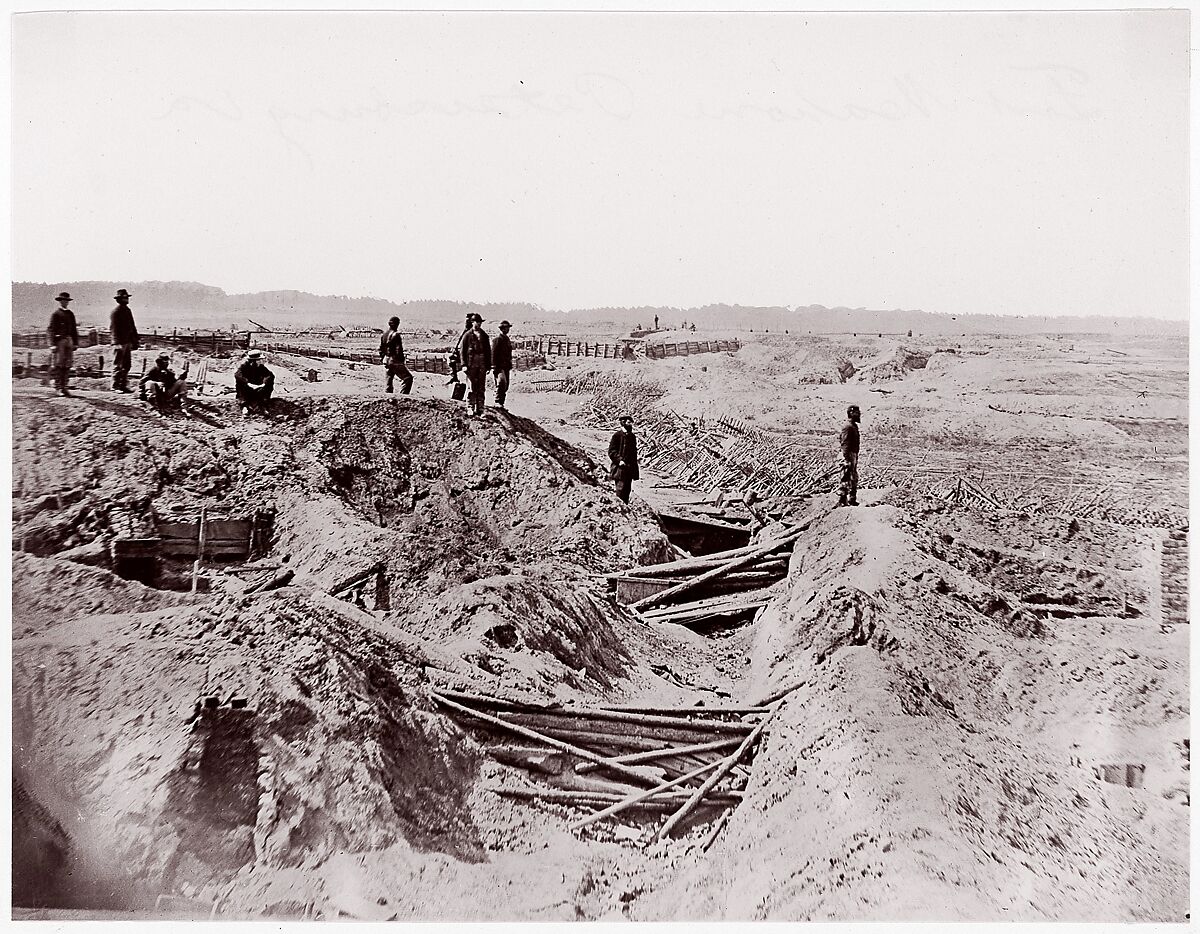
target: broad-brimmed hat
<point>625,418</point>
<point>254,355</point>
<point>505,324</point>
<point>63,296</point>
<point>475,316</point>
<point>163,356</point>
<point>121,293</point>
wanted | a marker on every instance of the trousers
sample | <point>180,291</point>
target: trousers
<point>477,378</point>
<point>63,357</point>
<point>406,377</point>
<point>848,491</point>
<point>122,360</point>
<point>502,377</point>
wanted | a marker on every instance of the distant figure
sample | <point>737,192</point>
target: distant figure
<point>476,360</point>
<point>693,326</point>
<point>502,362</point>
<point>848,492</point>
<point>161,387</point>
<point>391,354</point>
<point>622,451</point>
<point>64,338</point>
<point>254,383</point>
<point>124,340</point>
<point>656,322</point>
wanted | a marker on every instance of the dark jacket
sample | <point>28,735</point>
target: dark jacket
<point>62,324</point>
<point>253,371</point>
<point>501,352</point>
<point>154,375</point>
<point>391,348</point>
<point>476,351</point>
<point>623,447</point>
<point>121,326</point>
<point>849,438</point>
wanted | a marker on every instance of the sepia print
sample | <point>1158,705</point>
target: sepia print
<point>570,466</point>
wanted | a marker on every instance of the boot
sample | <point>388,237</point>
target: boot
<point>842,500</point>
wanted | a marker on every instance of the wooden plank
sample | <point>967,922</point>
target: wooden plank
<point>716,572</point>
<point>643,795</point>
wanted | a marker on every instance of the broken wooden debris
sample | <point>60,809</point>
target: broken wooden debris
<point>698,795</point>
<point>652,757</point>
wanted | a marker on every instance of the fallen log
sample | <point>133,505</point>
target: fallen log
<point>683,733</point>
<point>672,592</point>
<point>719,773</point>
<point>638,777</point>
<point>691,565</point>
<point>643,795</point>
<point>667,752</point>
<point>609,714</point>
<point>602,798</point>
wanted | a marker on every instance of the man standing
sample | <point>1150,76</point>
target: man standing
<point>502,362</point>
<point>848,492</point>
<point>124,340</point>
<point>253,383</point>
<point>161,387</point>
<point>477,360</point>
<point>64,338</point>
<point>656,322</point>
<point>391,354</point>
<point>622,451</point>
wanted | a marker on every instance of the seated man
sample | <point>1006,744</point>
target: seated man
<point>161,387</point>
<point>254,383</point>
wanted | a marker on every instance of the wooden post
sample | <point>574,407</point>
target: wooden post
<point>199,548</point>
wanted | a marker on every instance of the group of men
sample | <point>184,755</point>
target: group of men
<point>475,354</point>
<point>160,386</point>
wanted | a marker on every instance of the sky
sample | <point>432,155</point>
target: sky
<point>997,163</point>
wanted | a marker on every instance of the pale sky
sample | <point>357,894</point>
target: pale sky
<point>960,163</point>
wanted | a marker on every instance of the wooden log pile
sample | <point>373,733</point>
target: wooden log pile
<point>722,587</point>
<point>619,762</point>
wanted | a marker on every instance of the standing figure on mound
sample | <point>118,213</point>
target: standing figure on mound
<point>476,360</point>
<point>254,383</point>
<point>622,451</point>
<point>502,362</point>
<point>161,387</point>
<point>391,353</point>
<point>848,440</point>
<point>64,338</point>
<point>124,337</point>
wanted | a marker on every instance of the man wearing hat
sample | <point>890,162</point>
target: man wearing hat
<point>502,362</point>
<point>622,451</point>
<point>848,442</point>
<point>64,338</point>
<point>391,354</point>
<point>254,383</point>
<point>477,360</point>
<point>161,387</point>
<point>124,340</point>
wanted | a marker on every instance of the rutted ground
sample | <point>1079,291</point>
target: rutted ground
<point>962,673</point>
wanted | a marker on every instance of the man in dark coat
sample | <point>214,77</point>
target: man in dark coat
<point>477,360</point>
<point>161,387</point>
<point>502,362</point>
<point>848,440</point>
<point>391,353</point>
<point>253,383</point>
<point>64,338</point>
<point>124,340</point>
<point>622,451</point>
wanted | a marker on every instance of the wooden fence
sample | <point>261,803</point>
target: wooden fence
<point>561,347</point>
<point>686,348</point>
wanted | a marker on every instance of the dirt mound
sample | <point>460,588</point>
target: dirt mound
<point>336,750</point>
<point>47,591</point>
<point>927,755</point>
<point>895,364</point>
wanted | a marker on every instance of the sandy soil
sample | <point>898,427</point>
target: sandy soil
<point>964,671</point>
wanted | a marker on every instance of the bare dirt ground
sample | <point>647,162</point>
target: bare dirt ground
<point>965,672</point>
